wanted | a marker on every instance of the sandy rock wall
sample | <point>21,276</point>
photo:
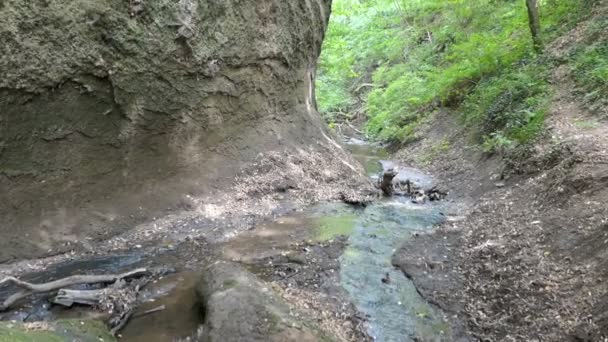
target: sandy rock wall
<point>115,109</point>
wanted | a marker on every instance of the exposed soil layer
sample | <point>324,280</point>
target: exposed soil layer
<point>115,113</point>
<point>527,260</point>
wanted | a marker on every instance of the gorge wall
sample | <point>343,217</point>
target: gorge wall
<point>111,111</point>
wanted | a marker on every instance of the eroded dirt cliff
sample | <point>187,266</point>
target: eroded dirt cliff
<point>112,113</point>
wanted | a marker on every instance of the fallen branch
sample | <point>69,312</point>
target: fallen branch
<point>353,128</point>
<point>30,289</point>
<point>67,297</point>
<point>151,311</point>
<point>122,323</point>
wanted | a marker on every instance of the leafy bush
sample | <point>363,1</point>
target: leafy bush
<point>590,68</point>
<point>509,108</point>
<point>473,56</point>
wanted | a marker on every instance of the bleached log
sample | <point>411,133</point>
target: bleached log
<point>29,289</point>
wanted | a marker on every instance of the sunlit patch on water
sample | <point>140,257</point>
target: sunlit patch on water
<point>330,227</point>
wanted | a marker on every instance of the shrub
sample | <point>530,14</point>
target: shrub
<point>473,56</point>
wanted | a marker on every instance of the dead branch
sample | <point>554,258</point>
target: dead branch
<point>353,128</point>
<point>30,289</point>
<point>151,311</point>
<point>364,85</point>
<point>122,323</point>
<point>67,297</point>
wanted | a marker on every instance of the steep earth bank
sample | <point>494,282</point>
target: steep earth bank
<point>527,260</point>
<point>113,114</point>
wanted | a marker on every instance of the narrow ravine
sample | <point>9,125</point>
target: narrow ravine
<point>391,307</point>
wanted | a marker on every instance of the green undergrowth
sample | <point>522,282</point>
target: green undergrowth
<point>590,64</point>
<point>509,108</point>
<point>591,73</point>
<point>402,59</point>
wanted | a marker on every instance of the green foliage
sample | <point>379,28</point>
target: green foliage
<point>473,56</point>
<point>510,107</point>
<point>590,68</point>
<point>58,331</point>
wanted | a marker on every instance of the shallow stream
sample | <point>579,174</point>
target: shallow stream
<point>392,305</point>
<point>393,308</point>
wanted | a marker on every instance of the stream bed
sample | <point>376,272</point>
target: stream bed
<point>393,309</point>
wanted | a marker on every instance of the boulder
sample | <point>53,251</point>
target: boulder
<point>240,307</point>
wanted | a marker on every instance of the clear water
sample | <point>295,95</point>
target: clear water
<point>395,310</point>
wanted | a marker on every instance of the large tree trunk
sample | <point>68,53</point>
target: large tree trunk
<point>137,103</point>
<point>534,22</point>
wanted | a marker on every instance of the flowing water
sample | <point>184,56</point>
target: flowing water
<point>394,309</point>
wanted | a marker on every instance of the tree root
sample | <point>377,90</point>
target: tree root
<point>29,289</point>
<point>122,323</point>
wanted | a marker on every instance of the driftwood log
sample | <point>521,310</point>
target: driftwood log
<point>28,289</point>
<point>68,298</point>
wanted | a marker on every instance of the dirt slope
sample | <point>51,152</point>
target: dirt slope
<point>114,113</point>
<point>527,259</point>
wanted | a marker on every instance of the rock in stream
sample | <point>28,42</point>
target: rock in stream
<point>240,307</point>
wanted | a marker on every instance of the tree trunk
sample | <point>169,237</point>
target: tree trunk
<point>534,22</point>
